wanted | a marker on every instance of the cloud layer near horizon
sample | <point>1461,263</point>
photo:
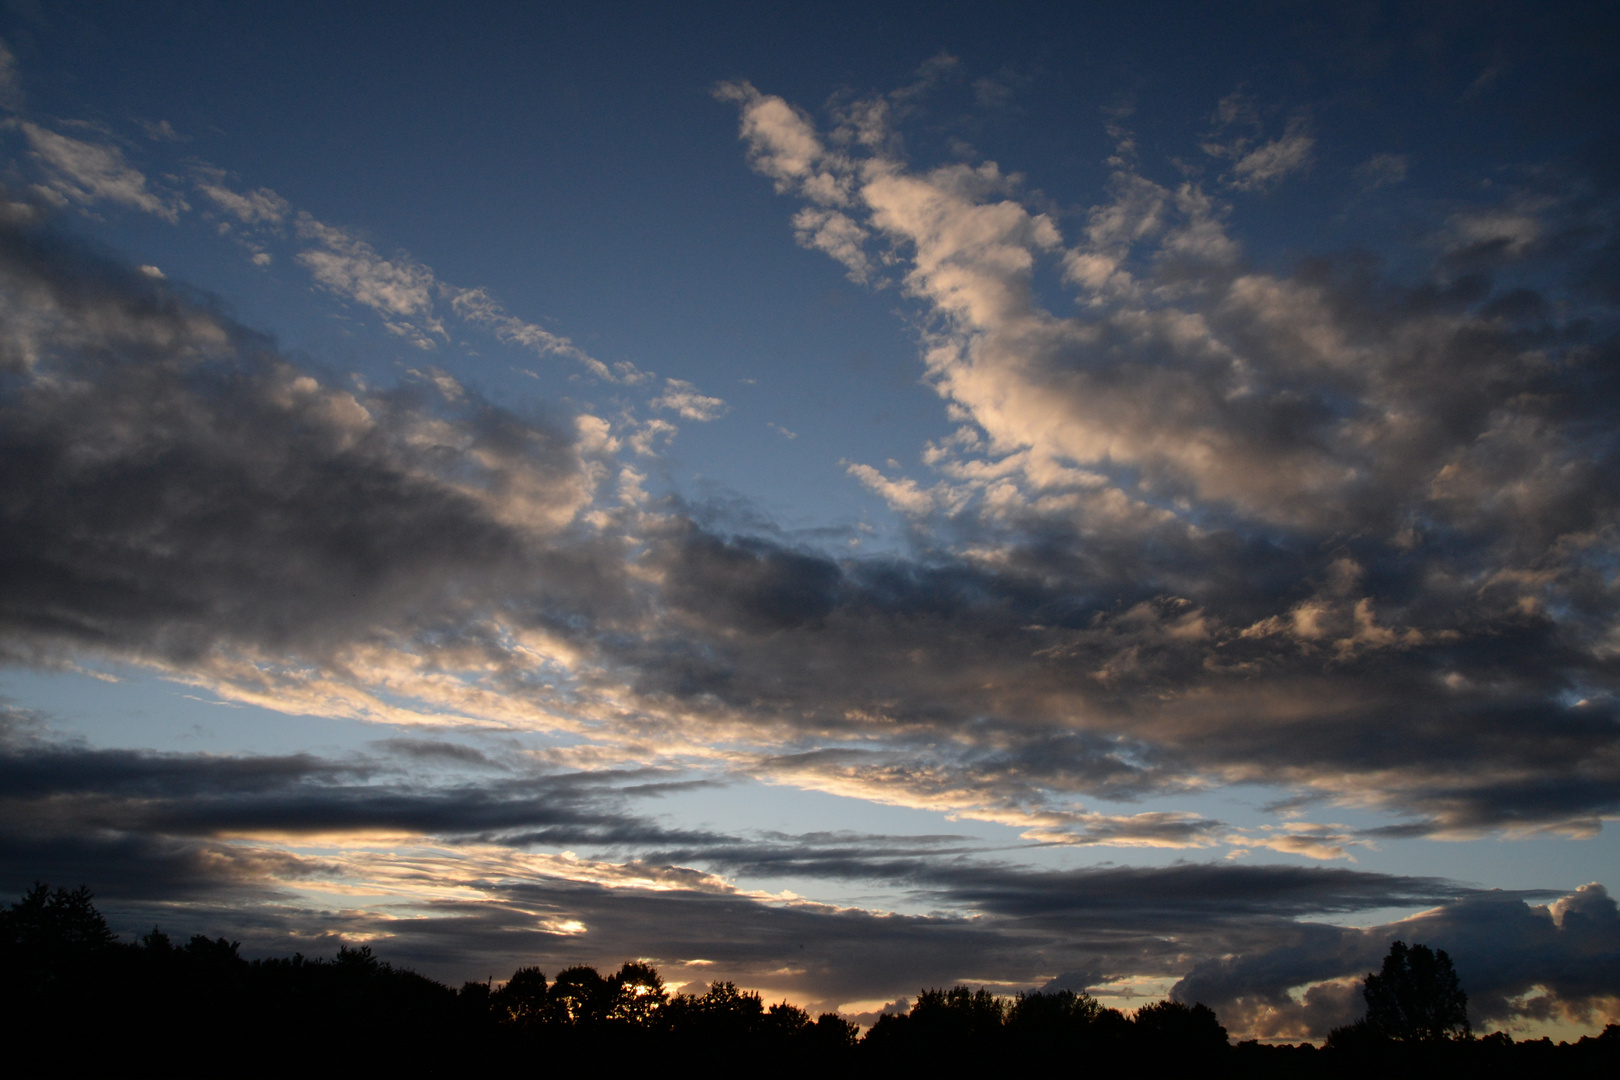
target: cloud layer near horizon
<point>425,849</point>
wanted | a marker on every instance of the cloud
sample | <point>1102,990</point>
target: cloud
<point>1274,160</point>
<point>1192,454</point>
<point>682,397</point>
<point>1382,169</point>
<point>179,493</point>
<point>251,207</point>
<point>89,173</point>
<point>834,233</point>
<point>479,307</point>
<point>160,131</point>
<point>1335,529</point>
<point>11,98</point>
<point>398,288</point>
<point>1518,963</point>
<point>404,292</point>
<point>903,494</point>
<point>1237,137</point>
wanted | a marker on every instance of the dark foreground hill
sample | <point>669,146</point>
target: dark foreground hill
<point>76,1001</point>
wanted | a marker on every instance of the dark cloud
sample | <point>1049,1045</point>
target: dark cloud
<point>55,789</point>
<point>201,842</point>
<point>173,487</point>
<point>1517,961</point>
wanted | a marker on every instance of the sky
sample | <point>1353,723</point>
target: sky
<point>843,498</point>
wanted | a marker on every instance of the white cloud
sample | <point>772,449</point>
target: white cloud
<point>834,233</point>
<point>159,131</point>
<point>89,173</point>
<point>1257,163</point>
<point>404,291</point>
<point>646,436</point>
<point>1274,160</point>
<point>478,306</point>
<point>683,397</point>
<point>352,268</point>
<point>252,208</point>
<point>783,145</point>
<point>903,494</point>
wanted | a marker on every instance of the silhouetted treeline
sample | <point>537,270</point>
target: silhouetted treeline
<point>77,1000</point>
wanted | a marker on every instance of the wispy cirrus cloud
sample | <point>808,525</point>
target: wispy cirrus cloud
<point>91,172</point>
<point>404,292</point>
<point>259,207</point>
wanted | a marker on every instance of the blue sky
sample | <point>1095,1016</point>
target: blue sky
<point>843,499</point>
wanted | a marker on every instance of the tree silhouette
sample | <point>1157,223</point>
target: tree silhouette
<point>50,938</point>
<point>1176,1027</point>
<point>636,993</point>
<point>523,1000</point>
<point>580,996</point>
<point>1416,997</point>
<point>64,920</point>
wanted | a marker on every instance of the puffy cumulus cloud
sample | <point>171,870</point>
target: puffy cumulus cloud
<point>1329,528</point>
<point>91,172</point>
<point>178,493</point>
<point>1519,963</point>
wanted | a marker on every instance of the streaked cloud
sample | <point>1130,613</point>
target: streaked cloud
<point>91,172</point>
<point>426,849</point>
<point>682,397</point>
<point>262,206</point>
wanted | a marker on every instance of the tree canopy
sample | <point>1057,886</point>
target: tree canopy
<point>1416,997</point>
